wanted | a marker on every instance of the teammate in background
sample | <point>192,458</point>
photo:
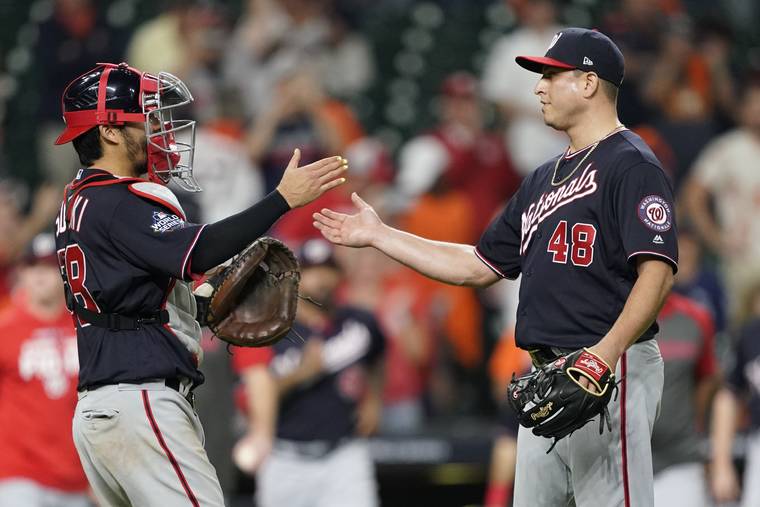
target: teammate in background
<point>742,389</point>
<point>38,372</point>
<point>127,254</point>
<point>329,390</point>
<point>506,361</point>
<point>687,344</point>
<point>459,155</point>
<point>592,232</point>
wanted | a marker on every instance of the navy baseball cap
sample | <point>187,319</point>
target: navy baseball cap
<point>316,252</point>
<point>582,49</point>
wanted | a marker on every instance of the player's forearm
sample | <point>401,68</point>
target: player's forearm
<point>640,311</point>
<point>261,391</point>
<point>225,238</point>
<point>724,420</point>
<point>696,199</point>
<point>451,263</point>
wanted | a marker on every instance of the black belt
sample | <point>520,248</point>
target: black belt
<point>117,322</point>
<point>314,449</point>
<point>544,354</point>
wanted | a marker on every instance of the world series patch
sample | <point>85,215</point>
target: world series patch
<point>655,213</point>
<point>163,222</point>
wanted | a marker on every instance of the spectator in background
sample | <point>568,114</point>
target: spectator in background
<point>724,177</point>
<point>459,156</point>
<point>346,63</point>
<point>187,39</point>
<point>70,42</point>
<point>462,172</point>
<point>17,230</point>
<point>258,403</point>
<point>329,396</point>
<point>742,390</point>
<point>687,345</point>
<point>231,182</point>
<point>506,361</point>
<point>301,115</point>
<point>272,33</point>
<point>528,140</point>
<point>387,290</point>
<point>636,26</point>
<point>695,279</point>
<point>691,84</point>
<point>39,466</point>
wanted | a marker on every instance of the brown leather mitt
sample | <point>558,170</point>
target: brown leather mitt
<point>252,301</point>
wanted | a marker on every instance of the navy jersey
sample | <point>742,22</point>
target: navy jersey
<point>126,249</point>
<point>326,408</point>
<point>744,378</point>
<point>573,230</point>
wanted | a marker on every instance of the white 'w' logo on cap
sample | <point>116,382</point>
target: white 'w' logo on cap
<point>554,40</point>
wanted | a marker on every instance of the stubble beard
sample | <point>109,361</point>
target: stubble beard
<point>137,153</point>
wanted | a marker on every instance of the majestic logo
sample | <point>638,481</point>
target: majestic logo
<point>560,362</point>
<point>554,40</point>
<point>542,412</point>
<point>549,202</point>
<point>163,222</point>
<point>658,240</point>
<point>655,213</point>
<point>587,61</point>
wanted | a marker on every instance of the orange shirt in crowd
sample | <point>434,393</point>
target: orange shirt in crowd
<point>507,360</point>
<point>38,393</point>
<point>449,217</point>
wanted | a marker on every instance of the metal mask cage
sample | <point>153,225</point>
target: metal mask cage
<point>171,142</point>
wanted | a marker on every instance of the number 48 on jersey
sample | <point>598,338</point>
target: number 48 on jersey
<point>579,244</point>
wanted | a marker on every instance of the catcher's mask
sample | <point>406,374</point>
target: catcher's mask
<point>113,94</point>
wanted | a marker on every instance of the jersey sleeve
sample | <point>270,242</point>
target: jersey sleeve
<point>499,246</point>
<point>154,237</point>
<point>644,212</point>
<point>248,357</point>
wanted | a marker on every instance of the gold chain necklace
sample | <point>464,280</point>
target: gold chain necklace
<point>592,148</point>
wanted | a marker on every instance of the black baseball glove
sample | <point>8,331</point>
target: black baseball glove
<point>552,402</point>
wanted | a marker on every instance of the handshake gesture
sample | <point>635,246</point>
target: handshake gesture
<point>301,185</point>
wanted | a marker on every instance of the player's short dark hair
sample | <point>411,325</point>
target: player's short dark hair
<point>88,147</point>
<point>609,89</point>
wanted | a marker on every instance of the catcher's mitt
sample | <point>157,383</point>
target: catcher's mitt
<point>552,401</point>
<point>252,301</point>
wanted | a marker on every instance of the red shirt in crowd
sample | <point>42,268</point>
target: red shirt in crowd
<point>38,378</point>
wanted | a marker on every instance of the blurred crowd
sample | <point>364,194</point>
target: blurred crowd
<point>269,76</point>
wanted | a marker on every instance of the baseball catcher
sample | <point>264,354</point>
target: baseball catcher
<point>252,301</point>
<point>562,396</point>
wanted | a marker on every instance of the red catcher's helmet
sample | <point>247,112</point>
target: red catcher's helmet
<point>113,94</point>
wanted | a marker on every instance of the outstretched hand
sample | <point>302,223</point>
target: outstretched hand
<point>357,230</point>
<point>301,185</point>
